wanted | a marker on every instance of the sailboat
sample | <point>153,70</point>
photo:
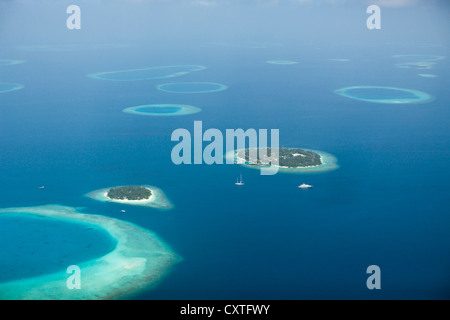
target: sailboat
<point>239,182</point>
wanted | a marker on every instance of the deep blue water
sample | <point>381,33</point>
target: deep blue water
<point>387,204</point>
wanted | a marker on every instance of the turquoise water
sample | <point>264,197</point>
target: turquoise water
<point>162,110</point>
<point>376,93</point>
<point>31,246</point>
<point>385,94</point>
<point>167,109</point>
<point>192,87</point>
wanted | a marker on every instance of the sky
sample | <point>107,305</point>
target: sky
<point>135,21</point>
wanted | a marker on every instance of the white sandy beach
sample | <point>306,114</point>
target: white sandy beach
<point>157,200</point>
<point>329,163</point>
<point>136,202</point>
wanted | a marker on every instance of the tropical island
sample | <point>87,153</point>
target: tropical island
<point>288,158</point>
<point>146,196</point>
<point>134,193</point>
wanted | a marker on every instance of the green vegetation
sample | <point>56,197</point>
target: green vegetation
<point>292,158</point>
<point>129,193</point>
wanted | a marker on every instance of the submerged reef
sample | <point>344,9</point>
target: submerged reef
<point>9,62</point>
<point>388,95</point>
<point>162,110</point>
<point>282,62</point>
<point>192,87</point>
<point>150,73</point>
<point>7,87</point>
<point>139,262</point>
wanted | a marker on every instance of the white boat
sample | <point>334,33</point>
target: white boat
<point>41,187</point>
<point>239,182</point>
<point>305,186</point>
<point>123,211</point>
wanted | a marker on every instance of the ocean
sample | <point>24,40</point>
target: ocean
<point>387,204</point>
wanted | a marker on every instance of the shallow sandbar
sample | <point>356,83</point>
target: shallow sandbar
<point>139,262</point>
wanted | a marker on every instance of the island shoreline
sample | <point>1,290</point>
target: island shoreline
<point>329,163</point>
<point>157,200</point>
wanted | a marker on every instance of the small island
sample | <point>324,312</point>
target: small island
<point>146,196</point>
<point>134,193</point>
<point>288,158</point>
